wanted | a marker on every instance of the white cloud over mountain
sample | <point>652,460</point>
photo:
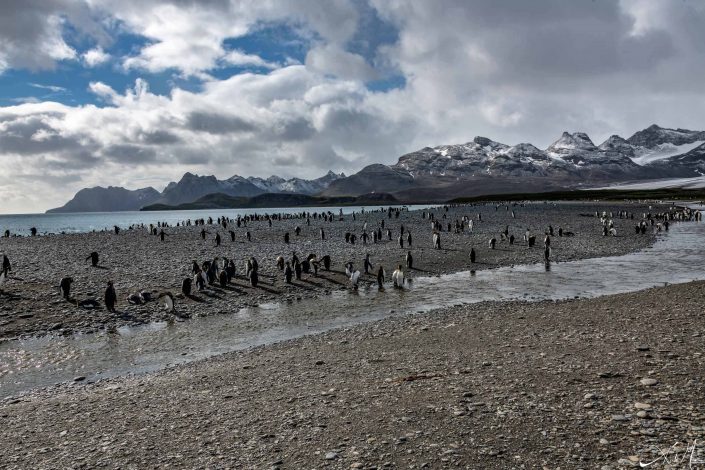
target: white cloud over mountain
<point>518,72</point>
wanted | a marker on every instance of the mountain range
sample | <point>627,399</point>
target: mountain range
<point>189,189</point>
<point>484,166</point>
<point>436,174</point>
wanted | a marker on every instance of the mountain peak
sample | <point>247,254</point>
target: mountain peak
<point>572,142</point>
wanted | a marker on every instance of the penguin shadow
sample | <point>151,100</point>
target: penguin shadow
<point>332,281</point>
<point>105,268</point>
<point>419,270</point>
<point>267,289</point>
<point>231,288</point>
<point>309,281</point>
<point>195,298</point>
<point>300,283</point>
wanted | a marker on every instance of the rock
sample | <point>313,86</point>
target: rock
<point>619,418</point>
<point>331,456</point>
<point>649,382</point>
<point>642,406</point>
<point>80,378</point>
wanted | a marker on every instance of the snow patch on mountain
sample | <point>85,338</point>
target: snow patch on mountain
<point>666,150</point>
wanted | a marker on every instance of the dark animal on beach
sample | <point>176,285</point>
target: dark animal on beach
<point>110,297</point>
<point>94,258</point>
<point>65,287</point>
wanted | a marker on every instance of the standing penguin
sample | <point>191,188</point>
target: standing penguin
<point>286,238</point>
<point>326,262</point>
<point>217,239</point>
<point>493,243</point>
<point>398,277</point>
<point>297,270</point>
<point>472,255</point>
<point>6,266</point>
<point>408,238</point>
<point>409,260</point>
<point>368,264</point>
<point>223,278</point>
<point>380,278</point>
<point>94,258</point>
<point>110,297</point>
<point>280,263</point>
<point>186,286</point>
<point>65,287</point>
<point>288,273</point>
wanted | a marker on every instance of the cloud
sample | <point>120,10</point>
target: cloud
<point>95,57</point>
<point>239,58</point>
<point>32,32</point>
<point>334,60</point>
<point>54,88</point>
<point>378,78</point>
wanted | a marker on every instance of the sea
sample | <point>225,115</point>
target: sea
<point>81,222</point>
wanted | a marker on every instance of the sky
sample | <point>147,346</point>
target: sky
<point>137,92</point>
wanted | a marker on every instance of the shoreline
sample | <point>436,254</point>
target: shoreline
<point>487,385</point>
<point>135,260</point>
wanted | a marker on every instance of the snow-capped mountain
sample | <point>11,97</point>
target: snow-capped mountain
<point>190,188</point>
<point>572,160</point>
<point>276,184</point>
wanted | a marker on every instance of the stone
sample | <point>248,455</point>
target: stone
<point>331,455</point>
<point>649,382</point>
<point>642,406</point>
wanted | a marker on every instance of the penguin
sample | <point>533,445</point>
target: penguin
<point>162,235</point>
<point>367,264</point>
<point>230,269</point>
<point>493,243</point>
<point>116,229</point>
<point>288,273</point>
<point>511,239</point>
<point>355,278</point>
<point>398,277</point>
<point>223,278</point>
<point>326,262</point>
<point>408,238</point>
<point>186,286</point>
<point>217,239</point>
<point>110,297</point>
<point>401,241</point>
<point>203,234</point>
<point>254,275</point>
<point>33,231</point>
<point>472,255</point>
<point>286,238</point>
<point>297,270</point>
<point>65,287</point>
<point>409,260</point>
<point>94,258</point>
<point>323,234</point>
<point>380,278</point>
<point>280,263</point>
<point>249,236</point>
<point>232,236</point>
<point>6,266</point>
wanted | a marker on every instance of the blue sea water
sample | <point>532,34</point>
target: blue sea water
<point>20,224</point>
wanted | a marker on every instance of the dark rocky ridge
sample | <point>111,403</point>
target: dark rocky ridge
<point>112,198</point>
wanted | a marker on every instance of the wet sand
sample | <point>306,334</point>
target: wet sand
<point>492,385</point>
<point>134,260</point>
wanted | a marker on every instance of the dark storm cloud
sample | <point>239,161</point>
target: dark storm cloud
<point>130,154</point>
<point>214,123</point>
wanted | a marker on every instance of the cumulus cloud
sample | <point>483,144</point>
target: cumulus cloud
<point>520,72</point>
<point>95,57</point>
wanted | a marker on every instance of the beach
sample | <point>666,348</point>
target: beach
<point>137,261</point>
<point>595,383</point>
